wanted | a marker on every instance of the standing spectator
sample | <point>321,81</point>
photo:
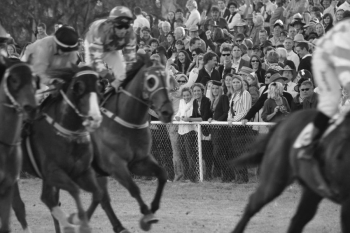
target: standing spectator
<point>165,30</point>
<point>283,37</point>
<point>171,19</point>
<point>282,58</point>
<point>197,56</point>
<point>302,49</point>
<point>195,17</point>
<point>291,55</point>
<point>228,89</point>
<point>258,71</point>
<point>224,12</point>
<point>140,21</point>
<point>183,61</point>
<point>292,32</point>
<point>187,137</point>
<point>41,31</point>
<point>319,30</point>
<point>238,62</point>
<point>153,22</point>
<point>294,7</point>
<point>146,35</point>
<point>208,72</point>
<point>240,103</point>
<point>181,35</point>
<point>290,74</point>
<point>257,28</point>
<point>194,44</point>
<point>220,108</point>
<point>266,11</point>
<point>227,62</point>
<point>193,32</point>
<point>276,107</point>
<point>233,17</point>
<point>330,8</point>
<point>277,14</point>
<point>327,21</point>
<point>215,16</point>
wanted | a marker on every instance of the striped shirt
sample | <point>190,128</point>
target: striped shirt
<point>239,106</point>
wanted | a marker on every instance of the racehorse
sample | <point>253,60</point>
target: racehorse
<point>280,166</point>
<point>16,98</point>
<point>122,143</point>
<point>61,145</point>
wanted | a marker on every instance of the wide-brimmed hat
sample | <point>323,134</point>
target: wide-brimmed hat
<point>277,76</point>
<point>288,68</point>
<point>299,38</point>
<point>216,83</point>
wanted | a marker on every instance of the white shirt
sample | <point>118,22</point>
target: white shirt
<point>243,7</point>
<point>345,6</point>
<point>185,110</point>
<point>240,104</point>
<point>291,55</point>
<point>141,22</point>
<point>193,19</point>
<point>270,7</point>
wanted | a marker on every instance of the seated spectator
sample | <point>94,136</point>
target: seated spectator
<point>306,97</point>
<point>327,21</point>
<point>228,89</point>
<point>276,107</point>
<point>146,35</point>
<point>154,43</point>
<point>169,45</point>
<point>259,72</point>
<point>240,103</point>
<point>187,135</point>
<point>183,61</point>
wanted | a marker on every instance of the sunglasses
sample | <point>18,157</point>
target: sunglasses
<point>239,40</point>
<point>255,61</point>
<point>225,54</point>
<point>306,89</point>
<point>182,81</point>
<point>125,26</point>
<point>268,76</point>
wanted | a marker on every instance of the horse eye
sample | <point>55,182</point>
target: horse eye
<point>152,82</point>
<point>79,87</point>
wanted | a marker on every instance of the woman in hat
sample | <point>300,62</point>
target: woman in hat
<point>220,108</point>
<point>276,107</point>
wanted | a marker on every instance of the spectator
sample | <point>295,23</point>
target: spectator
<point>179,15</point>
<point>220,108</point>
<point>154,43</point>
<point>258,71</point>
<point>277,29</point>
<point>170,45</point>
<point>238,62</point>
<point>208,72</point>
<point>194,44</point>
<point>339,15</point>
<point>140,21</point>
<point>193,32</point>
<point>257,51</point>
<point>262,36</point>
<point>165,30</point>
<point>227,62</point>
<point>276,107</point>
<point>233,17</point>
<point>162,55</point>
<point>330,8</point>
<point>267,11</point>
<point>181,35</point>
<point>153,22</point>
<point>291,55</point>
<point>306,98</point>
<point>319,30</point>
<point>228,89</point>
<point>57,26</point>
<point>171,19</point>
<point>146,35</point>
<point>302,49</point>
<point>294,7</point>
<point>224,12</point>
<point>282,58</point>
<point>41,31</point>
<point>240,103</point>
<point>183,61</point>
<point>253,88</point>
<point>272,60</point>
<point>292,32</point>
<point>277,14</point>
<point>283,36</point>
<point>195,17</point>
<point>244,51</point>
<point>290,74</point>
<point>215,16</point>
<point>245,71</point>
<point>187,136</point>
<point>195,62</point>
<point>327,21</point>
<point>257,28</point>
<point>249,44</point>
<point>11,50</point>
<point>345,6</point>
<point>297,22</point>
<point>193,75</point>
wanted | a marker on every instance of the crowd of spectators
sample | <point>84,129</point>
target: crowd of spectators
<point>239,62</point>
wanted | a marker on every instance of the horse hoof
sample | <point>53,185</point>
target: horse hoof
<point>74,219</point>
<point>147,221</point>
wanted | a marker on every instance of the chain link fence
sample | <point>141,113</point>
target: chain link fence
<point>200,151</point>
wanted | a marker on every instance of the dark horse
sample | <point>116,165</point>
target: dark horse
<point>61,145</point>
<point>17,91</point>
<point>122,143</point>
<point>280,167</point>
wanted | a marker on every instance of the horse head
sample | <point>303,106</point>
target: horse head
<point>80,93</point>
<point>19,85</point>
<point>155,90</point>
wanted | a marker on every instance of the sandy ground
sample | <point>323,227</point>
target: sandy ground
<point>186,207</point>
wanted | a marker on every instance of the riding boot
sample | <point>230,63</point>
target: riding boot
<point>308,156</point>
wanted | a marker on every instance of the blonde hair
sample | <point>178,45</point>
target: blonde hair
<point>323,31</point>
<point>241,80</point>
<point>275,89</point>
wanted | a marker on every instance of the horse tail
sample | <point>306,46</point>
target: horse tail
<point>255,155</point>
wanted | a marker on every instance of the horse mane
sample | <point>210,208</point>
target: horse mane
<point>6,63</point>
<point>141,60</point>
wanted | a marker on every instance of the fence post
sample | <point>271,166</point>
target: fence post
<point>200,157</point>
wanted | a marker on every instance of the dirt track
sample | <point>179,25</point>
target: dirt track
<point>197,208</point>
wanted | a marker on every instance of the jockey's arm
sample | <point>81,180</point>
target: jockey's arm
<point>40,63</point>
<point>130,51</point>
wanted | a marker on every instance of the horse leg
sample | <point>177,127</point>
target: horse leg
<point>148,167</point>
<point>61,180</point>
<point>5,209</point>
<point>306,210</point>
<point>122,174</point>
<point>345,216</point>
<point>19,208</point>
<point>106,206</point>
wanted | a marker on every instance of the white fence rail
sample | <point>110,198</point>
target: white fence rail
<point>202,153</point>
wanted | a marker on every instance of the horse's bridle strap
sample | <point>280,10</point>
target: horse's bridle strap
<point>65,132</point>
<point>119,120</point>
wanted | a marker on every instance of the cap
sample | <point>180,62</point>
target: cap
<point>67,38</point>
<point>216,83</point>
<point>277,76</point>
<point>278,23</point>
<point>305,74</point>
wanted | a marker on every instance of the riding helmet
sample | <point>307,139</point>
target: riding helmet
<point>121,14</point>
<point>67,38</point>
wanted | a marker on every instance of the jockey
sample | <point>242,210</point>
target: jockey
<point>104,43</point>
<point>57,51</point>
<point>331,69</point>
